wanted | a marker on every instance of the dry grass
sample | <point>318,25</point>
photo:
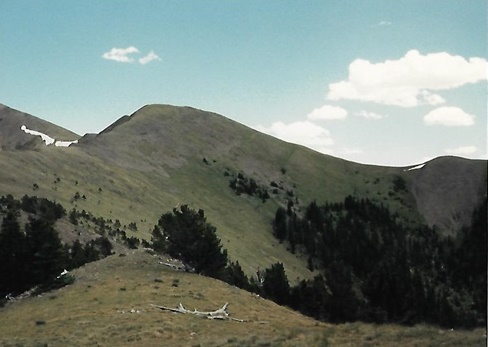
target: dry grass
<point>110,305</point>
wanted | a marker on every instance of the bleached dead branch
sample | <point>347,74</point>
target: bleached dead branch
<point>221,313</point>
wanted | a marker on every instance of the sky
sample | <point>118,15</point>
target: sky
<point>372,81</point>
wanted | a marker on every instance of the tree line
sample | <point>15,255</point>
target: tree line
<point>371,267</point>
<point>374,268</point>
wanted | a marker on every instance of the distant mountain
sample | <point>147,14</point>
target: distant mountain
<point>162,156</point>
<point>447,189</point>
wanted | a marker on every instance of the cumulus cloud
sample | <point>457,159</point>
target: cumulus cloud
<point>123,55</point>
<point>369,115</point>
<point>463,150</point>
<point>302,132</point>
<point>327,112</point>
<point>120,55</point>
<point>448,116</point>
<point>409,81</point>
<point>384,23</point>
<point>149,57</point>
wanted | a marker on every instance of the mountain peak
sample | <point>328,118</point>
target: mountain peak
<point>165,135</point>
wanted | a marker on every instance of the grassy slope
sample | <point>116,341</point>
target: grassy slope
<point>96,310</point>
<point>152,161</point>
<point>150,174</point>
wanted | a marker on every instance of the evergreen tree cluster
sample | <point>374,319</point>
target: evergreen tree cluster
<point>244,185</point>
<point>375,269</point>
<point>105,227</point>
<point>42,207</point>
<point>33,254</point>
<point>372,268</point>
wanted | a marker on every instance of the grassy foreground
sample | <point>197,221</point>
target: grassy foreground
<point>110,305</point>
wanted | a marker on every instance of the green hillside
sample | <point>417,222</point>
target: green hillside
<point>163,156</point>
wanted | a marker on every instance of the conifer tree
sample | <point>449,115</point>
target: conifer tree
<point>236,276</point>
<point>187,236</point>
<point>12,256</point>
<point>275,284</point>
<point>45,252</point>
<point>77,254</point>
<point>279,225</point>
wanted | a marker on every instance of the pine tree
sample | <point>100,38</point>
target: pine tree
<point>235,276</point>
<point>105,246</point>
<point>275,284</point>
<point>280,225</point>
<point>12,256</point>
<point>343,303</point>
<point>187,236</point>
<point>158,240</point>
<point>77,254</point>
<point>46,253</point>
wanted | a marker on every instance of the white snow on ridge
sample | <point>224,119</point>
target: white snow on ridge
<point>64,143</point>
<point>416,167</point>
<point>46,138</point>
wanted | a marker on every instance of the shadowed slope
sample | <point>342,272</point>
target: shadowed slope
<point>447,189</point>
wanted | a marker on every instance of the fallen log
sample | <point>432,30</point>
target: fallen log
<point>221,313</point>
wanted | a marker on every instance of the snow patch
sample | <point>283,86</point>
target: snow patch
<point>47,139</point>
<point>64,143</point>
<point>416,167</point>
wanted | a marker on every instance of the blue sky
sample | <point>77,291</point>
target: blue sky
<point>378,82</point>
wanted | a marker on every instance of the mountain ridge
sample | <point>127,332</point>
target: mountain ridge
<point>162,156</point>
<point>419,180</point>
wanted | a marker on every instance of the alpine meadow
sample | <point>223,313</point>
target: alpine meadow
<point>177,226</point>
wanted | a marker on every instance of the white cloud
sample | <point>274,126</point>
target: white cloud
<point>353,151</point>
<point>431,99</point>
<point>408,81</point>
<point>303,132</point>
<point>463,150</point>
<point>384,23</point>
<point>120,55</point>
<point>448,116</point>
<point>327,112</point>
<point>149,57</point>
<point>369,115</point>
